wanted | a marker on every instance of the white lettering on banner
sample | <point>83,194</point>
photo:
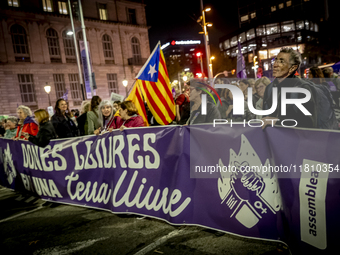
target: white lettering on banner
<point>42,186</point>
<point>89,192</point>
<point>34,157</point>
<point>163,203</point>
<point>103,155</point>
<point>133,148</point>
<point>312,192</point>
<point>147,147</point>
<point>103,194</point>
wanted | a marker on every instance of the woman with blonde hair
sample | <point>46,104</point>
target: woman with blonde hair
<point>26,123</point>
<point>46,129</point>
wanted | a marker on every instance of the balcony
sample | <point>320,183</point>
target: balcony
<point>136,61</point>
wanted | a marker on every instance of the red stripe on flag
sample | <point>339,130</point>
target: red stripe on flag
<point>154,105</point>
<point>162,99</point>
<point>163,64</point>
<point>140,101</point>
<point>167,90</point>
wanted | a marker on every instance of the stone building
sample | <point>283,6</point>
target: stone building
<point>35,50</point>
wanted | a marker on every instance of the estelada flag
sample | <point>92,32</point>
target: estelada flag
<point>154,82</point>
<point>136,97</point>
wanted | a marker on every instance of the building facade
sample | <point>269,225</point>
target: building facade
<point>35,50</point>
<point>267,26</point>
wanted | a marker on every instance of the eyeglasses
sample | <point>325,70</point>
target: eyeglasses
<point>279,61</point>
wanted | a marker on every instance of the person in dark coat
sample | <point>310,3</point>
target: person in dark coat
<point>46,129</point>
<point>62,122</point>
<point>81,120</point>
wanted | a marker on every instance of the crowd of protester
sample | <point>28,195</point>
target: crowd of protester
<point>98,116</point>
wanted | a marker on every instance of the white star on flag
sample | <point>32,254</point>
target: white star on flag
<point>152,70</point>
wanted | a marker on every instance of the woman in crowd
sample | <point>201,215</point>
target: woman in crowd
<point>26,123</point>
<point>128,117</point>
<point>315,74</point>
<point>243,85</point>
<point>62,123</point>
<point>196,90</point>
<point>237,118</point>
<point>81,120</point>
<point>46,129</point>
<point>11,127</point>
<point>92,121</point>
<point>106,112</point>
<point>260,87</point>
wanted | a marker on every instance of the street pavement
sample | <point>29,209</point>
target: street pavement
<point>29,225</point>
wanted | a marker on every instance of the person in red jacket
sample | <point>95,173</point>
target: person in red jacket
<point>128,117</point>
<point>26,123</point>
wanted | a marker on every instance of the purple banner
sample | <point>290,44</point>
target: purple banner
<point>281,184</point>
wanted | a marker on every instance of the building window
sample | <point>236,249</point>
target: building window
<point>221,46</point>
<point>62,6</point>
<point>27,89</point>
<point>69,48</point>
<point>108,50</point>
<point>261,30</point>
<point>287,26</point>
<point>131,14</point>
<point>253,15</point>
<point>226,44</point>
<point>281,5</point>
<point>136,53</point>
<point>53,45</point>
<point>102,11</point>
<point>75,88</point>
<point>299,25</point>
<point>242,37</point>
<point>316,27</point>
<point>263,54</point>
<point>20,46</point>
<point>13,3</point>
<point>233,41</point>
<point>47,5</point>
<point>307,24</point>
<point>273,28</point>
<point>59,83</point>
<point>273,8</point>
<point>289,3</point>
<point>250,34</point>
<point>244,18</point>
<point>113,83</point>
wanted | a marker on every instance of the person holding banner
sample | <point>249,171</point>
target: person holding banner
<point>26,123</point>
<point>46,129</point>
<point>128,117</point>
<point>92,121</point>
<point>106,112</point>
<point>62,122</point>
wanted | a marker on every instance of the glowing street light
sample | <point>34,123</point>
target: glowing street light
<point>125,83</point>
<point>47,89</point>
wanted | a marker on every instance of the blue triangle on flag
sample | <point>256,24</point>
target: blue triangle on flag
<point>150,69</point>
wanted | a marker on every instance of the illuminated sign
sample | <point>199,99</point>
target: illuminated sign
<point>188,42</point>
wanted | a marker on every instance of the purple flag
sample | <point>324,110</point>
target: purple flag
<point>241,66</point>
<point>65,96</point>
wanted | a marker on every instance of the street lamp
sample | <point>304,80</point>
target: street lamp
<point>210,65</point>
<point>206,38</point>
<point>185,78</point>
<point>47,89</point>
<point>125,83</point>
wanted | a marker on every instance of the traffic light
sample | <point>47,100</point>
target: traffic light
<point>199,75</point>
<point>255,62</point>
<point>233,71</point>
<point>198,54</point>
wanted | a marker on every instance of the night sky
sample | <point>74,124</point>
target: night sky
<point>177,19</point>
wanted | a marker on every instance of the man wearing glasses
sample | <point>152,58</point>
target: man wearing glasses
<point>285,65</point>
